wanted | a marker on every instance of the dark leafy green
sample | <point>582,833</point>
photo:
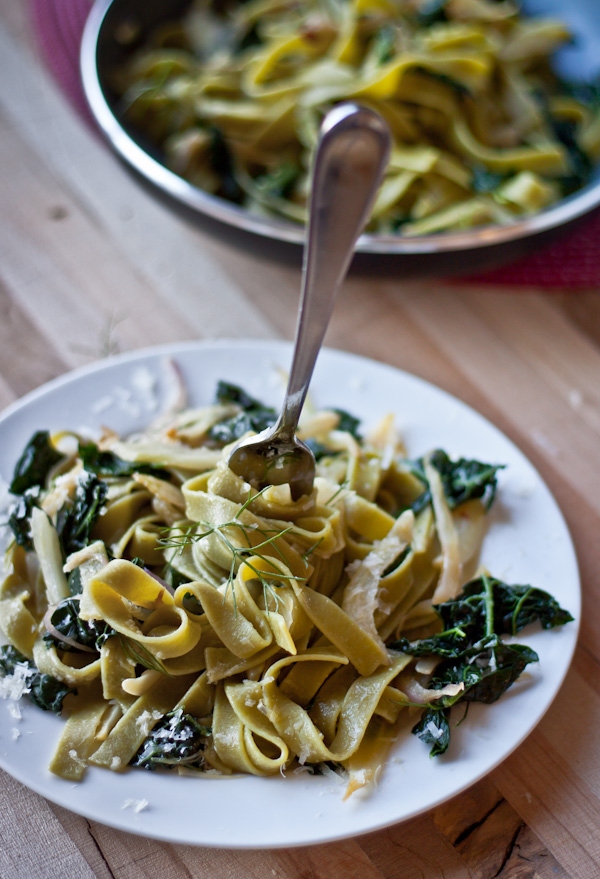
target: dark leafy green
<point>486,181</point>
<point>20,515</point>
<point>230,393</point>
<point>457,87</point>
<point>587,93</point>
<point>191,603</point>
<point>76,519</point>
<point>348,422</point>
<point>431,13</point>
<point>320,450</point>
<point>221,162</point>
<point>434,730</point>
<point>280,182</point>
<point>462,480</point>
<point>173,577</point>
<point>487,669</point>
<point>250,38</point>
<point>107,464</point>
<point>472,651</point>
<point>486,606</point>
<point>38,458</point>
<point>88,633</point>
<point>255,416</point>
<point>44,690</point>
<point>319,768</point>
<point>384,44</point>
<point>565,131</point>
<point>138,562</point>
<point>75,582</point>
<point>177,738</point>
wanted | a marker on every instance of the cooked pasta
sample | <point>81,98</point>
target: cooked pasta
<point>181,619</point>
<point>483,130</point>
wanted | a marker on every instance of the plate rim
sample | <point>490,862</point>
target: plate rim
<point>129,822</point>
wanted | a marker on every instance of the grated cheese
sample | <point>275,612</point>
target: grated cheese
<point>434,731</point>
<point>17,684</point>
<point>14,709</point>
<point>147,720</point>
<point>136,805</point>
<point>144,383</point>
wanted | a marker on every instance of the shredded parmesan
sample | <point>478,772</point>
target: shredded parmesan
<point>434,731</point>
<point>136,805</point>
<point>361,597</point>
<point>17,684</point>
<point>147,720</point>
<point>449,584</point>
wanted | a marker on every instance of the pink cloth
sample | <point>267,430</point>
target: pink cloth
<point>572,262</point>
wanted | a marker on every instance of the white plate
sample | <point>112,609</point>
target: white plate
<point>528,542</point>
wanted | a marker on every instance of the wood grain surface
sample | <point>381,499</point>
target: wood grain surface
<point>92,264</point>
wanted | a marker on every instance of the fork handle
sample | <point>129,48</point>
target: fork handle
<point>351,157</point>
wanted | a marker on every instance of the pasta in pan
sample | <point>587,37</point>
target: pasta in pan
<point>483,130</point>
<point>181,619</point>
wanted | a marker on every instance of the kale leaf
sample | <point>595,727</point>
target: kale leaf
<point>457,87</point>
<point>108,464</point>
<point>487,669</point>
<point>320,450</point>
<point>432,12</point>
<point>230,393</point>
<point>487,605</point>
<point>565,132</point>
<point>249,39</point>
<point>177,738</point>
<point>191,603</point>
<point>587,93</point>
<point>483,180</point>
<point>76,520</point>
<point>75,582</point>
<point>255,416</point>
<point>472,651</point>
<point>38,458</point>
<point>434,730</point>
<point>20,516</point>
<point>348,422</point>
<point>44,690</point>
<point>221,162</point>
<point>319,768</point>
<point>280,182</point>
<point>384,44</point>
<point>173,577</point>
<point>88,633</point>
<point>462,480</point>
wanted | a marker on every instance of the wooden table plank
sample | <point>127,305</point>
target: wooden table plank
<point>29,832</point>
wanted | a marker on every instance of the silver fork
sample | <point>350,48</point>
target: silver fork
<point>351,157</point>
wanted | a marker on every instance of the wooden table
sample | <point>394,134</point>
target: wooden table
<point>91,264</point>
